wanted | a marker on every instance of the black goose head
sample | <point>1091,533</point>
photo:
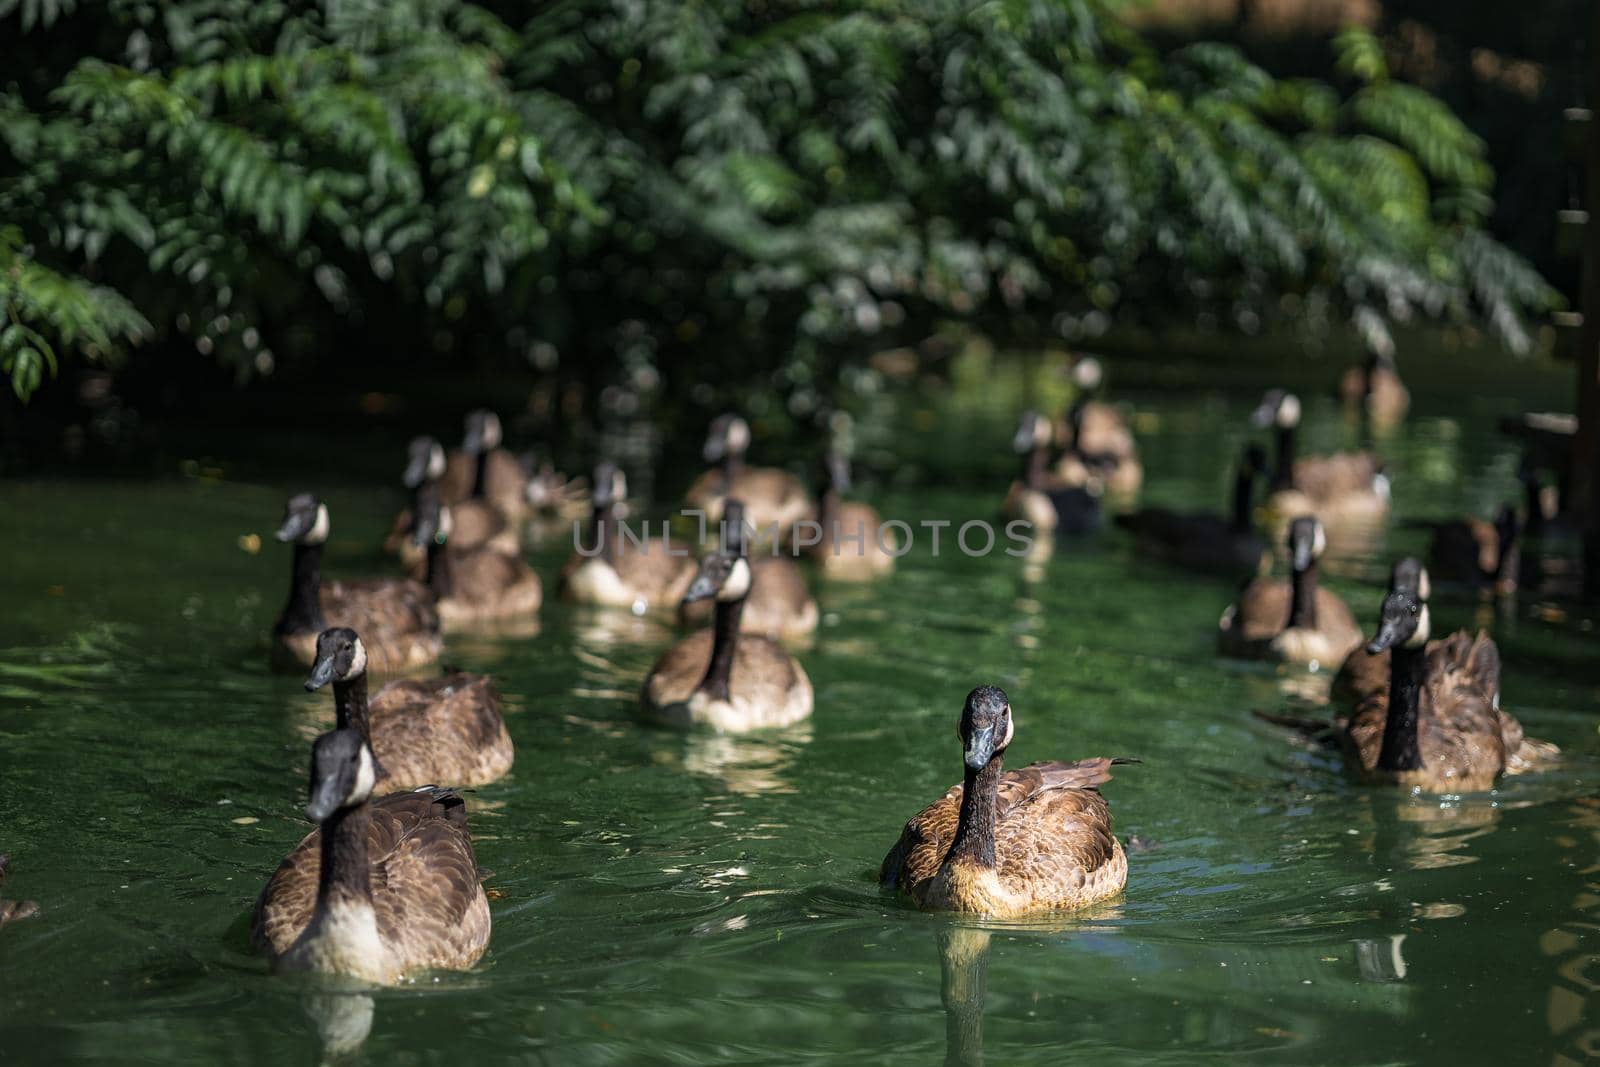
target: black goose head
<point>1307,542</point>
<point>305,520</point>
<point>1279,408</point>
<point>1033,431</point>
<point>343,772</point>
<point>482,432</point>
<point>1408,575</point>
<point>729,435</point>
<point>610,485</point>
<point>340,657</point>
<point>985,728</point>
<point>424,461</point>
<point>1402,623</point>
<point>724,573</point>
<point>432,521</point>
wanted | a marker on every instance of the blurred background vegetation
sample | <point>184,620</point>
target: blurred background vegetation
<point>629,202</point>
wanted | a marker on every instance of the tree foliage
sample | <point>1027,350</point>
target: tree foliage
<point>616,188</point>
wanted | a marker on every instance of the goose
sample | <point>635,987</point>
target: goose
<point>621,571</point>
<point>1008,843</point>
<point>1363,672</point>
<point>398,615</point>
<point>1293,619</point>
<point>1480,554</point>
<point>1049,500</point>
<point>1344,485</point>
<point>423,731</point>
<point>475,523</point>
<point>722,678</point>
<point>852,543</point>
<point>1375,388</point>
<point>1098,435</point>
<point>382,889</point>
<point>1438,727</point>
<point>12,910</point>
<point>472,585</point>
<point>778,605</point>
<point>1204,541</point>
<point>480,469</point>
<point>774,500</point>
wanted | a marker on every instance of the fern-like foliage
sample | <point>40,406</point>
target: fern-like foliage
<point>750,191</point>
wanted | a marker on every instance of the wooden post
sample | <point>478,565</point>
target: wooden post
<point>1585,478</point>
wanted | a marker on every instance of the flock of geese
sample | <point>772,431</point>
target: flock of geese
<point>387,885</point>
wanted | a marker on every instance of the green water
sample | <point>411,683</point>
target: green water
<point>696,899</point>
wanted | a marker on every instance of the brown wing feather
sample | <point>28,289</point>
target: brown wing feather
<point>431,909</point>
<point>1325,478</point>
<point>397,618</point>
<point>490,584</point>
<point>440,731</point>
<point>769,496</point>
<point>1259,615</point>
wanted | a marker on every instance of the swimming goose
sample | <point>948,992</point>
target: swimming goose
<point>1438,727</point>
<point>1480,554</point>
<point>383,889</point>
<point>1007,843</point>
<point>720,677</point>
<point>481,470</point>
<point>624,571</point>
<point>1363,672</point>
<point>1052,501</point>
<point>773,499</point>
<point>12,910</point>
<point>852,544</point>
<point>1375,388</point>
<point>1343,485</point>
<point>397,615</point>
<point>472,585</point>
<point>475,523</point>
<point>1098,435</point>
<point>1294,619</point>
<point>423,731</point>
<point>1203,541</point>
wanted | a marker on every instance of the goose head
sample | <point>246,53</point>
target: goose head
<point>424,462</point>
<point>1410,576</point>
<point>341,657</point>
<point>724,573</point>
<point>729,435</point>
<point>1307,542</point>
<point>1087,374</point>
<point>985,727</point>
<point>432,523</point>
<point>305,521</point>
<point>482,432</point>
<point>1279,408</point>
<point>1033,431</point>
<point>1402,623</point>
<point>610,486</point>
<point>343,772</point>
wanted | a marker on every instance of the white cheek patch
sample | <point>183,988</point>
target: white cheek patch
<point>1043,432</point>
<point>1424,625</point>
<point>436,463</point>
<point>1424,587</point>
<point>446,524</point>
<point>1088,373</point>
<point>1006,740</point>
<point>738,436</point>
<point>619,487</point>
<point>1319,542</point>
<point>366,778</point>
<point>737,584</point>
<point>1289,411</point>
<point>358,662</point>
<point>319,529</point>
<point>491,432</point>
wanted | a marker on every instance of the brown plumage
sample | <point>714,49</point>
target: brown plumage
<point>779,604</point>
<point>1097,435</point>
<point>398,615</point>
<point>483,470</point>
<point>1340,489</point>
<point>476,523</point>
<point>472,585</point>
<point>445,730</point>
<point>624,570</point>
<point>773,500</point>
<point>1293,619</point>
<point>1007,843</point>
<point>384,889</point>
<point>12,910</point>
<point>1065,500</point>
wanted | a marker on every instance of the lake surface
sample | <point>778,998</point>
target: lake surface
<point>700,899</point>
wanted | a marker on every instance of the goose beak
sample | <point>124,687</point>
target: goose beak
<point>322,673</point>
<point>1389,635</point>
<point>324,800</point>
<point>416,471</point>
<point>715,448</point>
<point>1302,556</point>
<point>1263,416</point>
<point>1023,441</point>
<point>294,527</point>
<point>701,588</point>
<point>980,748</point>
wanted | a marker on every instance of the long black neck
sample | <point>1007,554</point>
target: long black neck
<point>606,531</point>
<point>827,509</point>
<point>1034,464</point>
<point>441,574</point>
<point>344,874</point>
<point>1535,522</point>
<point>732,465</point>
<point>724,642</point>
<point>1303,598</point>
<point>350,705</point>
<point>1283,474</point>
<point>303,612</point>
<point>480,474</point>
<point>1243,486</point>
<point>1400,752</point>
<point>974,841</point>
<point>1507,562</point>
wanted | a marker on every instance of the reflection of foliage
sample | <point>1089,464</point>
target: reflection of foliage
<point>748,185</point>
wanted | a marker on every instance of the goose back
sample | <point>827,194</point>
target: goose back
<point>449,730</point>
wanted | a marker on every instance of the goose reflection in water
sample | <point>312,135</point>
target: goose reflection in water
<point>343,1022</point>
